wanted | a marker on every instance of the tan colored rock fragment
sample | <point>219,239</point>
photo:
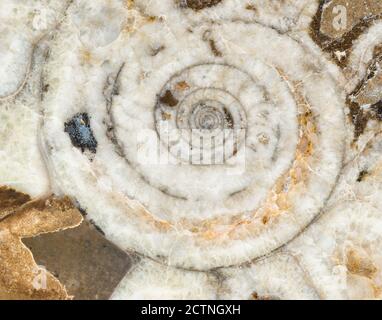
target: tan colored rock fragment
<point>20,276</point>
<point>10,200</point>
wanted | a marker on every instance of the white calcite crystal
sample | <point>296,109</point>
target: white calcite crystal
<point>113,103</point>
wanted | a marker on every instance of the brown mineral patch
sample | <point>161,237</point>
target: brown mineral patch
<point>182,85</point>
<point>87,264</point>
<point>197,4</point>
<point>265,219</point>
<point>168,99</point>
<point>377,50</point>
<point>360,264</point>
<point>216,52</point>
<point>166,116</point>
<point>129,4</point>
<point>358,118</point>
<point>10,200</point>
<point>251,7</point>
<point>256,296</point>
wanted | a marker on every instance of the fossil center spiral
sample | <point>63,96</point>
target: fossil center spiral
<point>200,119</point>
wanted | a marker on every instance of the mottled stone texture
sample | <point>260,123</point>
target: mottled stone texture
<point>76,75</point>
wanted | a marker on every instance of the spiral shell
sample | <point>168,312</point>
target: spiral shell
<point>192,140</point>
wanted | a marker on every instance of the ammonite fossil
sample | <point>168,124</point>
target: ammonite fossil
<point>231,145</point>
<point>212,150</point>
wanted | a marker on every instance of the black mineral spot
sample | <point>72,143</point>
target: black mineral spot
<point>228,118</point>
<point>361,175</point>
<point>80,133</point>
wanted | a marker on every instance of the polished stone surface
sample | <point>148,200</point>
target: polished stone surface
<point>107,102</point>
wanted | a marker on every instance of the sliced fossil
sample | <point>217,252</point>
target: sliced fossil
<point>260,189</point>
<point>232,145</point>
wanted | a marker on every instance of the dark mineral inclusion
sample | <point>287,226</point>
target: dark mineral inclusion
<point>80,132</point>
